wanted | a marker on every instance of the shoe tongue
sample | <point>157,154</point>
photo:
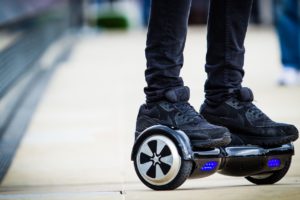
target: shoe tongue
<point>245,95</point>
<point>179,94</point>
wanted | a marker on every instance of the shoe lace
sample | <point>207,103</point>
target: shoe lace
<point>187,111</point>
<point>255,111</point>
<point>244,97</point>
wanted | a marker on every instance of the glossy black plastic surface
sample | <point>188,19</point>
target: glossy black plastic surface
<point>251,160</point>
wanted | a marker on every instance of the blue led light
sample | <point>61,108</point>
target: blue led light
<point>210,165</point>
<point>274,162</point>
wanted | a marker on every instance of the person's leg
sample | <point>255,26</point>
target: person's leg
<point>145,11</point>
<point>165,44</point>
<point>227,103</point>
<point>227,26</point>
<point>287,25</point>
<point>167,98</point>
<point>287,29</point>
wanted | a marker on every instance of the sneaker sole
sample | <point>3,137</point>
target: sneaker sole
<point>212,143</point>
<point>267,141</point>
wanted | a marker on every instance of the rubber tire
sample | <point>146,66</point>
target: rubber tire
<point>275,177</point>
<point>183,173</point>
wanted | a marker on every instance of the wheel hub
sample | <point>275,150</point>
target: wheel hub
<point>158,161</point>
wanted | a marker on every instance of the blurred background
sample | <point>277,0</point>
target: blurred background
<point>71,82</point>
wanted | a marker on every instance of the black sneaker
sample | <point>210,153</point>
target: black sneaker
<point>244,119</point>
<point>177,113</point>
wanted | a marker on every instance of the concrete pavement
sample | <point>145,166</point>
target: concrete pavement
<point>79,141</point>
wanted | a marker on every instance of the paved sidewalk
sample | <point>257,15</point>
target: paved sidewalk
<point>79,141</point>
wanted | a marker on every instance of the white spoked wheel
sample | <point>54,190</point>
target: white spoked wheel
<point>159,165</point>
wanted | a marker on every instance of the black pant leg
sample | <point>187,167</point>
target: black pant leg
<point>227,27</point>
<point>165,43</point>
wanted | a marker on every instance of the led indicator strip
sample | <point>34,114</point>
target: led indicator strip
<point>275,162</point>
<point>210,165</point>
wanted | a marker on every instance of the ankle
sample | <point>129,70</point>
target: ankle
<point>243,94</point>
